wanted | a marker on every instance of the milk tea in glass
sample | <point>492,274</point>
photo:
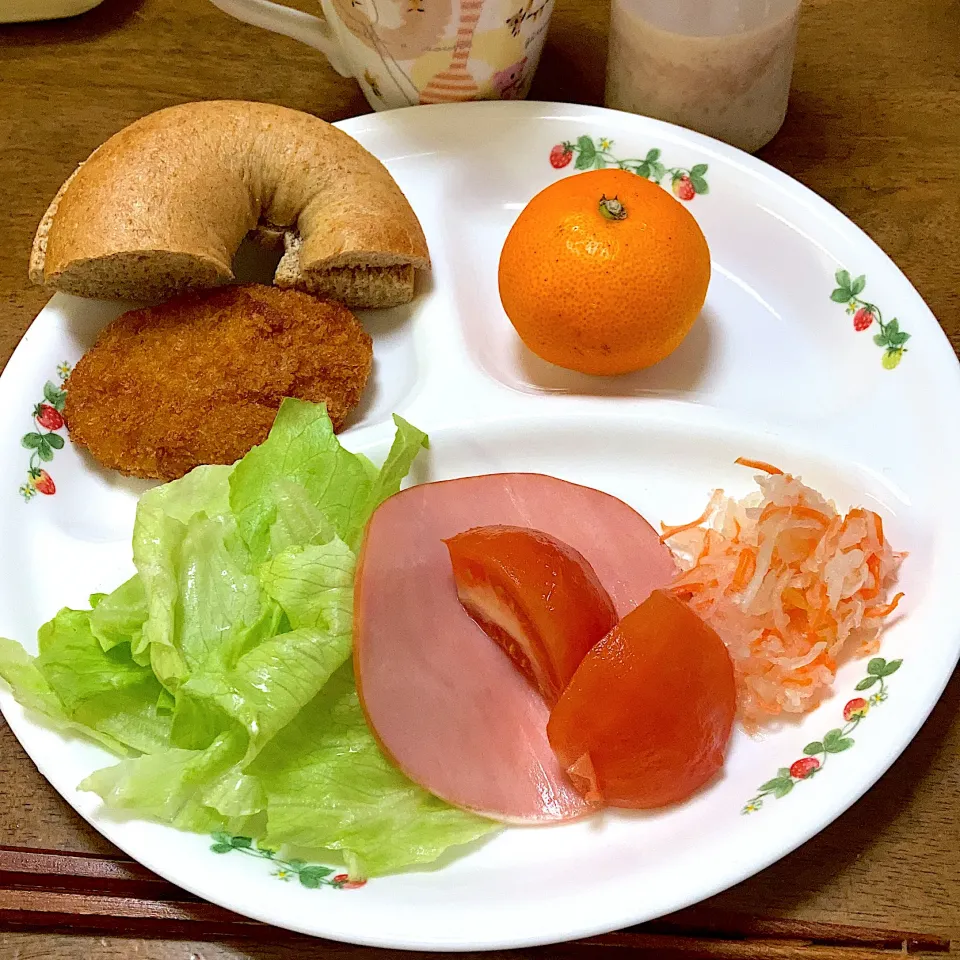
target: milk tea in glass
<point>721,67</point>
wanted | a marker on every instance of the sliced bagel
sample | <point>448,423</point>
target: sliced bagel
<point>163,205</point>
<point>386,286</point>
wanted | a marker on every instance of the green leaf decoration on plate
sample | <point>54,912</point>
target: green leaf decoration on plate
<point>890,338</point>
<point>54,395</point>
<point>586,153</point>
<point>590,153</point>
<point>837,740</point>
<point>43,440</point>
<point>311,875</point>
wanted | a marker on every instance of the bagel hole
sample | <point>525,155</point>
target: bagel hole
<point>255,262</point>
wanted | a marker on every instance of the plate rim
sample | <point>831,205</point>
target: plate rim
<point>845,799</point>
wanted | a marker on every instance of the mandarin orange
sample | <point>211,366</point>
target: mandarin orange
<point>604,272</point>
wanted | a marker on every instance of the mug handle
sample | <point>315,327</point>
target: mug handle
<point>313,31</point>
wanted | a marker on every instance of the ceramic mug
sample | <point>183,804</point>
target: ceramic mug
<point>405,52</point>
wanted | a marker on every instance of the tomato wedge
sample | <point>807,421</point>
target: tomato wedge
<point>533,595</point>
<point>646,718</point>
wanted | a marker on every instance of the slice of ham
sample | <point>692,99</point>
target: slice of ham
<point>444,701</point>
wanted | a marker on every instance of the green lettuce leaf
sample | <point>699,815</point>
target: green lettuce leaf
<point>222,672</point>
<point>203,490</point>
<point>78,668</point>
<point>302,448</point>
<point>266,686</point>
<point>299,521</point>
<point>313,585</point>
<point>163,515</point>
<point>204,599</point>
<point>407,443</point>
<point>328,785</point>
<point>20,672</point>
<point>80,686</point>
<point>119,617</point>
<point>173,785</point>
<point>218,595</point>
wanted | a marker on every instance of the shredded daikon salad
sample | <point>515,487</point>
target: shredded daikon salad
<point>789,584</point>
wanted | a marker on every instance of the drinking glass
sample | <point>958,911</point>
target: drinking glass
<point>722,67</point>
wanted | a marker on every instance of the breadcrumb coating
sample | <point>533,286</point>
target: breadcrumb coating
<point>199,379</point>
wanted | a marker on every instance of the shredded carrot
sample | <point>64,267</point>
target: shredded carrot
<point>793,597</point>
<point>708,544</point>
<point>759,465</point>
<point>792,587</point>
<point>796,511</point>
<point>873,568</point>
<point>669,532</point>
<point>746,568</point>
<point>886,609</point>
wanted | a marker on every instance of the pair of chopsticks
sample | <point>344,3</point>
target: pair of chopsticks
<point>45,889</point>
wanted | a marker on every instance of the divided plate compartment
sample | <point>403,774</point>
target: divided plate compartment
<point>773,370</point>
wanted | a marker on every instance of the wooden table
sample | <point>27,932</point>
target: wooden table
<point>874,126</point>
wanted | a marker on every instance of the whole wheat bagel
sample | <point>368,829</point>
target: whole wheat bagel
<point>164,204</point>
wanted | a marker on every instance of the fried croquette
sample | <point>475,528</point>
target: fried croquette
<point>199,379</point>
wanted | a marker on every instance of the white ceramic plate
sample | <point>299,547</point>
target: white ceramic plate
<point>774,369</point>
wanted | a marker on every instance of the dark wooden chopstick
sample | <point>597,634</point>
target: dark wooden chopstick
<point>49,889</point>
<point>25,869</point>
